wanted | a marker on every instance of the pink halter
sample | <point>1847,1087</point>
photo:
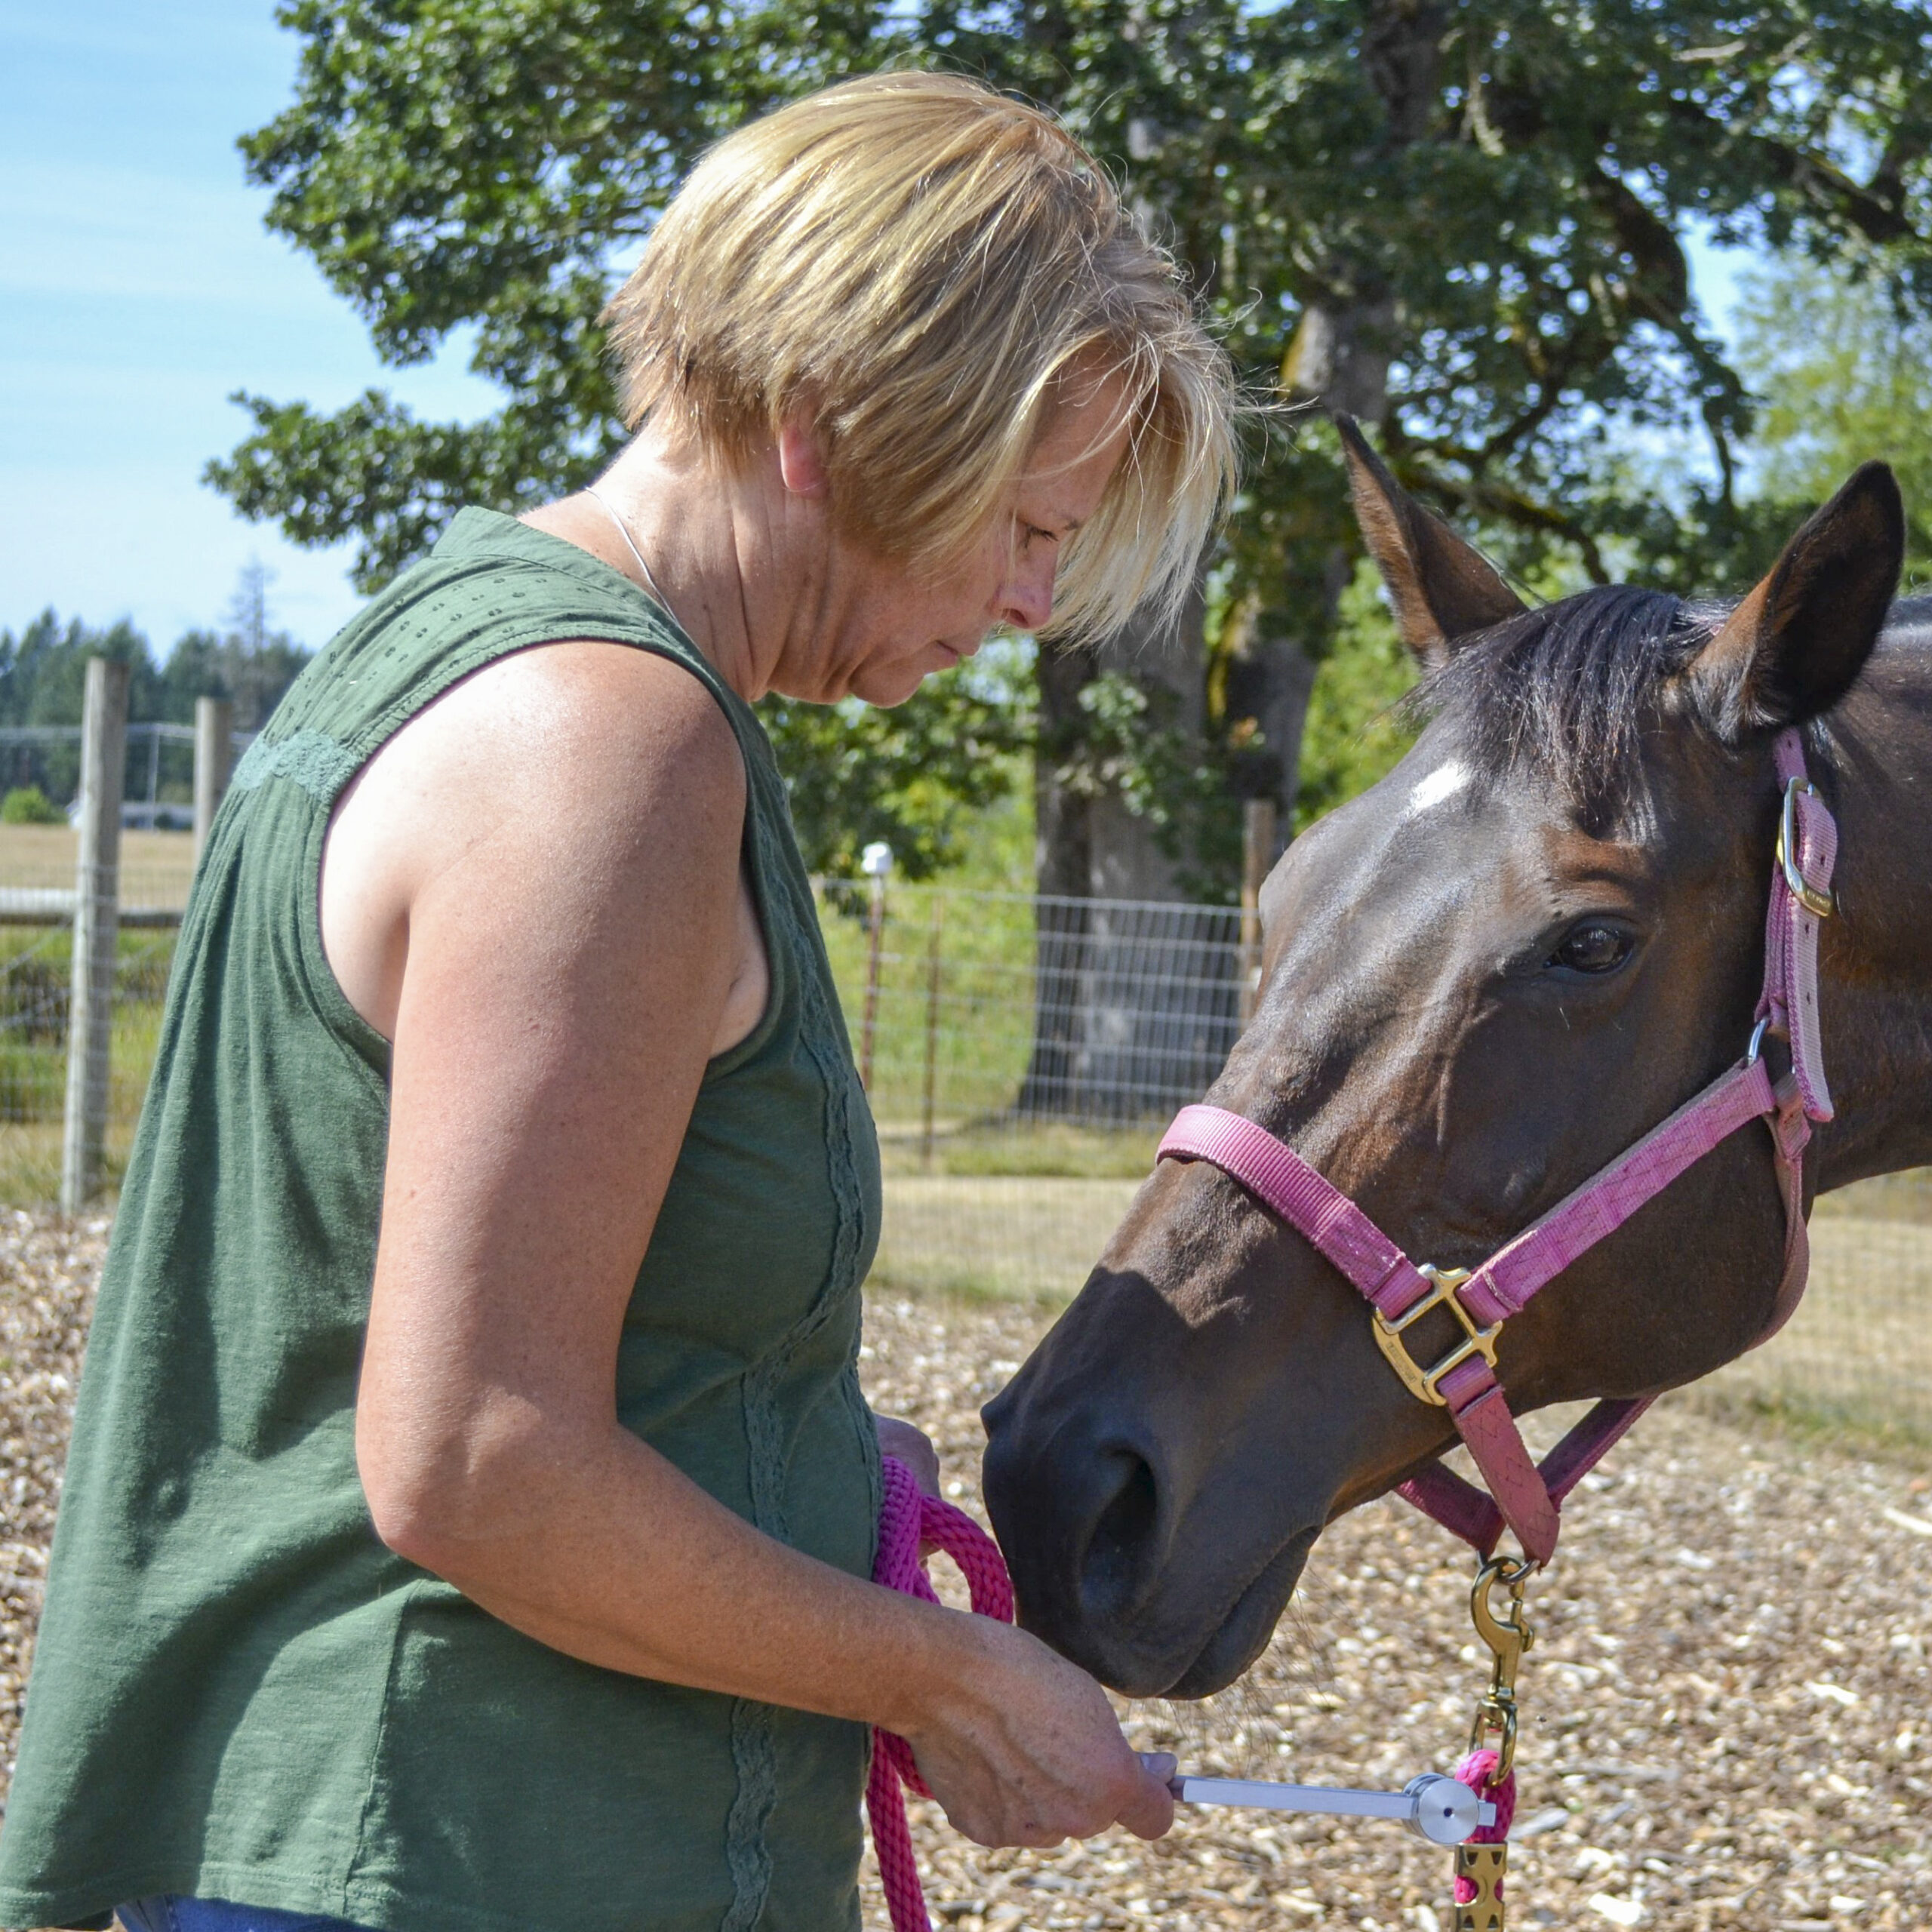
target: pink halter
<point>1520,1494</point>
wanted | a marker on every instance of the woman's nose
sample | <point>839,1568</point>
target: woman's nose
<point>1026,598</point>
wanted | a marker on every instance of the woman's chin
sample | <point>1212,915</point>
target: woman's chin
<point>886,685</point>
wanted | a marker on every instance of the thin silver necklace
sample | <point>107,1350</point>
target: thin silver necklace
<point>630,543</point>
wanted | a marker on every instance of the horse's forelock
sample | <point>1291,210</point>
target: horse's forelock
<point>1565,691</point>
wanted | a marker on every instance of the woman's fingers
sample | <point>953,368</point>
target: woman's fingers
<point>1149,1812</point>
<point>913,1446</point>
<point>1033,1753</point>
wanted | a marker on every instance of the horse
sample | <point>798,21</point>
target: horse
<point>1483,979</point>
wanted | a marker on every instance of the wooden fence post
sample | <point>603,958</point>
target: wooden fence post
<point>97,926</point>
<point>876,861</point>
<point>214,738</point>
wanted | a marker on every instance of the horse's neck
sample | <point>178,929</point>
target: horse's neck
<point>1876,955</point>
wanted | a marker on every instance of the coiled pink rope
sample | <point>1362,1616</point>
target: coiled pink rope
<point>908,1518</point>
<point>1476,1770</point>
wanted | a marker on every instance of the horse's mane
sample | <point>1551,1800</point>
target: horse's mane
<point>1565,691</point>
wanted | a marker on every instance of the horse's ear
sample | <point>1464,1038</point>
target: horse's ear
<point>1443,591</point>
<point>1794,646</point>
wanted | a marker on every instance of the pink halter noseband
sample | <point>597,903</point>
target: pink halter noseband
<point>1521,1494</point>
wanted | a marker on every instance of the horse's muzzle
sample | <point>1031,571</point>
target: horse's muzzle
<point>1090,1520</point>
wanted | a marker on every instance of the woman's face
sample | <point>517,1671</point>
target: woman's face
<point>899,629</point>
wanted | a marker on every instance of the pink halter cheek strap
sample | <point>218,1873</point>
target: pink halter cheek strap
<point>1520,1494</point>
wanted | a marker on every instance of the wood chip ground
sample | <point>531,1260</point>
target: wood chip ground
<point>1727,1720</point>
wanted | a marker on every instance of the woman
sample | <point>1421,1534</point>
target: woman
<point>471,1499</point>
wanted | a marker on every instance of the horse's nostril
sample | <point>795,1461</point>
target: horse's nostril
<point>1117,1552</point>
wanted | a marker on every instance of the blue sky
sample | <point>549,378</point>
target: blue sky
<point>138,289</point>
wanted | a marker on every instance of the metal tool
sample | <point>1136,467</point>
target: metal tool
<point>1442,1809</point>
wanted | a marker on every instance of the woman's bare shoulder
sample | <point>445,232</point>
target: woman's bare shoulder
<point>587,777</point>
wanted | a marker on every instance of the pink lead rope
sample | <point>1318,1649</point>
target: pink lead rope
<point>1520,1494</point>
<point>908,1518</point>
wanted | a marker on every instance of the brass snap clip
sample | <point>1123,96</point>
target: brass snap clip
<point>1508,1633</point>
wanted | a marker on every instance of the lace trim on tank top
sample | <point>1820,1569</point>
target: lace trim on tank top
<point>319,764</point>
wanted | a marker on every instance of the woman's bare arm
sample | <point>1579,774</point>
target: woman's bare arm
<point>559,849</point>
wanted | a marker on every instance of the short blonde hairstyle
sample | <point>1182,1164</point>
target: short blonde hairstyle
<point>920,263</point>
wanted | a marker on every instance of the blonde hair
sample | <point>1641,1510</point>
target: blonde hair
<point>920,263</point>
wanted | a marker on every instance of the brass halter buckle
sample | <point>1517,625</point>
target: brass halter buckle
<point>1808,895</point>
<point>1425,1384</point>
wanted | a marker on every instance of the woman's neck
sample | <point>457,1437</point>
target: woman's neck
<point>731,554</point>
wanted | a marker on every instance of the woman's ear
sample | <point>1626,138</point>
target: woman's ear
<point>801,464</point>
<point>1796,644</point>
<point>1443,589</point>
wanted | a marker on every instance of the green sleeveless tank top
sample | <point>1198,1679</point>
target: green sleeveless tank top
<point>238,1692</point>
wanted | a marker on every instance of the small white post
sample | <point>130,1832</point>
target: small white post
<point>215,740</point>
<point>876,861</point>
<point>96,929</point>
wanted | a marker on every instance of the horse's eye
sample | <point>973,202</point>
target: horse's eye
<point>1593,948</point>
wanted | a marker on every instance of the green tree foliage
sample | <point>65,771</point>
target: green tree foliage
<point>43,679</point>
<point>28,805</point>
<point>915,776</point>
<point>43,671</point>
<point>490,164</point>
<point>1461,220</point>
<point>1357,729</point>
<point>1844,367</point>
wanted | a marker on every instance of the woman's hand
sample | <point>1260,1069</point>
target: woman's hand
<point>1063,1769</point>
<point>1026,1750</point>
<point>912,1446</point>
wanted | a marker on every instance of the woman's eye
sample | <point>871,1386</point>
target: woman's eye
<point>1593,948</point>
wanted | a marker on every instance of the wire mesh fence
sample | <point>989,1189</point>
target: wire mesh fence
<point>36,983</point>
<point>158,776</point>
<point>1005,1009</point>
<point>1024,1054</point>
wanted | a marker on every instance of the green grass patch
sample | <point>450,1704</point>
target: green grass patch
<point>1874,1428</point>
<point>1011,1147</point>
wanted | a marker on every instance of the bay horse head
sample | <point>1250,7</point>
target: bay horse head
<point>1482,980</point>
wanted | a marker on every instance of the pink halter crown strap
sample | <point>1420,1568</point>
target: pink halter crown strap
<point>1525,1497</point>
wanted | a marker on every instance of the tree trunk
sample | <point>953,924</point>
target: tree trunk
<point>1339,359</point>
<point>1136,994</point>
<point>1063,865</point>
<point>1136,1007</point>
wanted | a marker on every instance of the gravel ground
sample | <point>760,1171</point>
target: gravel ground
<point>1726,1720</point>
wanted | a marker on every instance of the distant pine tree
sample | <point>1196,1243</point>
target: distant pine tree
<point>249,662</point>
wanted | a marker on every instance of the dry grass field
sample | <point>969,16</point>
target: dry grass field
<point>1858,1354</point>
<point>156,866</point>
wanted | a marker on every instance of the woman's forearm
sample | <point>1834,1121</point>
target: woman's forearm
<point>597,1545</point>
<point>594,1543</point>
